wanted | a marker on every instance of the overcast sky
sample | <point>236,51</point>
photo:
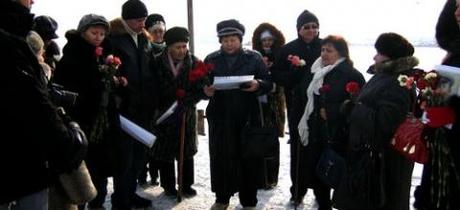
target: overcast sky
<point>359,21</point>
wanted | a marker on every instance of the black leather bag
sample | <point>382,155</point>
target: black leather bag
<point>331,167</point>
<point>258,141</point>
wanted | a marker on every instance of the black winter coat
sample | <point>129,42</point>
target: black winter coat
<point>166,147</point>
<point>34,137</point>
<point>227,113</point>
<point>78,71</point>
<point>382,105</point>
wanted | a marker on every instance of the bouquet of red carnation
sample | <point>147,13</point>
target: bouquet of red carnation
<point>352,88</point>
<point>200,73</point>
<point>296,61</point>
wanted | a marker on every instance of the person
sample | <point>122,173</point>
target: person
<point>46,27</point>
<point>38,138</point>
<point>429,194</point>
<point>79,71</point>
<point>155,28</point>
<point>37,45</point>
<point>136,100</point>
<point>172,70</point>
<point>267,40</point>
<point>385,179</point>
<point>323,124</point>
<point>227,113</point>
<point>295,79</point>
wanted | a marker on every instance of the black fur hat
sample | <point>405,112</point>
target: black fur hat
<point>176,34</point>
<point>306,17</point>
<point>393,45</point>
<point>447,28</point>
<point>230,27</point>
<point>133,9</point>
<point>46,27</point>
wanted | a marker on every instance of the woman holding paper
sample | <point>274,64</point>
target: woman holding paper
<point>227,113</point>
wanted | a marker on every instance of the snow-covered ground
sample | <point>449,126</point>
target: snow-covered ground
<point>275,199</point>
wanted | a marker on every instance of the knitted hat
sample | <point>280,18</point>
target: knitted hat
<point>306,17</point>
<point>92,20</point>
<point>133,9</point>
<point>155,20</point>
<point>230,27</point>
<point>266,34</point>
<point>176,34</point>
<point>393,45</point>
<point>46,27</point>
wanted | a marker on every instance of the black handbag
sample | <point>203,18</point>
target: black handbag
<point>258,141</point>
<point>331,167</point>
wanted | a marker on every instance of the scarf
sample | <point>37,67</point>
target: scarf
<point>316,83</point>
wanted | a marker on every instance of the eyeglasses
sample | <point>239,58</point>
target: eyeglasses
<point>309,26</point>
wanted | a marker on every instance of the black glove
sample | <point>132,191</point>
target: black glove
<point>80,144</point>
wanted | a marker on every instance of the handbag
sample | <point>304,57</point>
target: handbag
<point>258,141</point>
<point>408,140</point>
<point>77,185</point>
<point>330,167</point>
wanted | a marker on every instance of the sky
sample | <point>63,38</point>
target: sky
<point>359,21</point>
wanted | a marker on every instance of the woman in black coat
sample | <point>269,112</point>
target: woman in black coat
<point>382,105</point>
<point>322,123</point>
<point>79,71</point>
<point>227,113</point>
<point>172,69</point>
<point>426,196</point>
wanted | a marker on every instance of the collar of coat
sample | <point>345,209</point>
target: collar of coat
<point>117,27</point>
<point>397,66</point>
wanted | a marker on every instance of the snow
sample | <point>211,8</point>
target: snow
<point>275,199</point>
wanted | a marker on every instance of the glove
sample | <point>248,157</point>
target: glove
<point>79,144</point>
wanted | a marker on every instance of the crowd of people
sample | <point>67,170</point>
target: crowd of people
<point>134,66</point>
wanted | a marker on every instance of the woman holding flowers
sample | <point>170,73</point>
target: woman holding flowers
<point>179,78</point>
<point>86,69</point>
<point>379,177</point>
<point>323,124</point>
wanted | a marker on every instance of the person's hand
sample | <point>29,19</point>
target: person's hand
<point>250,86</point>
<point>323,113</point>
<point>209,90</point>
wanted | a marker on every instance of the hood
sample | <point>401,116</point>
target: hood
<point>279,37</point>
<point>396,66</point>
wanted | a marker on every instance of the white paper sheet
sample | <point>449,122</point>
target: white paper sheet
<point>137,132</point>
<point>453,75</point>
<point>167,113</point>
<point>231,82</point>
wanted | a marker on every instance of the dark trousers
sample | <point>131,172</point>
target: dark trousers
<point>131,159</point>
<point>152,169</point>
<point>247,185</point>
<point>168,175</point>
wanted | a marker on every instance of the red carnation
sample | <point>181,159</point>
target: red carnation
<point>200,71</point>
<point>352,88</point>
<point>98,51</point>
<point>180,93</point>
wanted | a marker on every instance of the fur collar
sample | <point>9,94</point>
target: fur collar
<point>397,66</point>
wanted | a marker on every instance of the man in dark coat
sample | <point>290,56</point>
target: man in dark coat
<point>295,80</point>
<point>137,100</point>
<point>35,138</point>
<point>227,113</point>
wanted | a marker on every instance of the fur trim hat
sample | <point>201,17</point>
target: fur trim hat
<point>176,34</point>
<point>155,20</point>
<point>306,17</point>
<point>230,27</point>
<point>133,9</point>
<point>46,27</point>
<point>92,20</point>
<point>393,45</point>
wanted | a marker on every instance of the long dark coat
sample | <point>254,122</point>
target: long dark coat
<point>336,132</point>
<point>382,105</point>
<point>166,147</point>
<point>35,141</point>
<point>227,113</point>
<point>78,71</point>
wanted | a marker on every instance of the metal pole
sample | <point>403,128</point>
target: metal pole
<point>190,26</point>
